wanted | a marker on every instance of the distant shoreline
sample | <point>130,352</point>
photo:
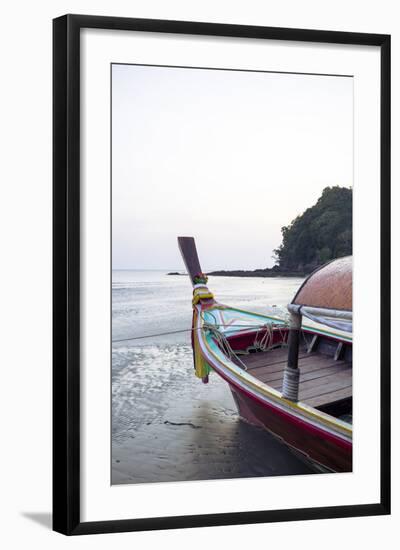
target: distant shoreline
<point>266,273</point>
<point>271,272</point>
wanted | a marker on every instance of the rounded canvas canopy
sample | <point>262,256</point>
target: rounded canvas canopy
<point>329,287</point>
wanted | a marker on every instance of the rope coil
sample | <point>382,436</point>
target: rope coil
<point>185,330</point>
<point>290,387</point>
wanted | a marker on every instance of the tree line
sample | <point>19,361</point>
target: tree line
<point>322,233</point>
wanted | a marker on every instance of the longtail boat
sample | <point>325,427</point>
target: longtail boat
<point>286,374</point>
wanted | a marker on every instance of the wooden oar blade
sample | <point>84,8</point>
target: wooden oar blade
<point>187,246</point>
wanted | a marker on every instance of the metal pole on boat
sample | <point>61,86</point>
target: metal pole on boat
<point>291,376</point>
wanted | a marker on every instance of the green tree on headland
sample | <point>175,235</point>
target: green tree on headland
<point>322,233</point>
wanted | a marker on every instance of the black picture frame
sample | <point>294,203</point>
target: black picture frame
<point>66,273</point>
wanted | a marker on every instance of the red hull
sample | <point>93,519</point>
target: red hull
<point>332,453</point>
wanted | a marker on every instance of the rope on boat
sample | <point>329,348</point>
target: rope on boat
<point>267,338</point>
<point>290,387</point>
<point>183,330</point>
<point>224,345</point>
<point>153,335</point>
<point>264,344</point>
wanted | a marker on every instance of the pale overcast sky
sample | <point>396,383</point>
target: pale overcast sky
<point>228,157</point>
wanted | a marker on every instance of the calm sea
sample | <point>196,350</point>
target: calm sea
<point>166,424</point>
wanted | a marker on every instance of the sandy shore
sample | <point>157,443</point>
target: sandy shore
<point>193,432</point>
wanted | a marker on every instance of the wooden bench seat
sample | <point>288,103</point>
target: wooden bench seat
<point>322,379</point>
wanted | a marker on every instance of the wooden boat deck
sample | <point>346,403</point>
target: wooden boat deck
<point>322,379</point>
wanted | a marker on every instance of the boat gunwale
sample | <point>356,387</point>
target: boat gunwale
<point>307,328</point>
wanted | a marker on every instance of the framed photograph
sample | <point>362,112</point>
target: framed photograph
<point>221,274</point>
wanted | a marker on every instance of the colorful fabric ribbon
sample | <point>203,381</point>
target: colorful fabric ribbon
<point>201,368</point>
